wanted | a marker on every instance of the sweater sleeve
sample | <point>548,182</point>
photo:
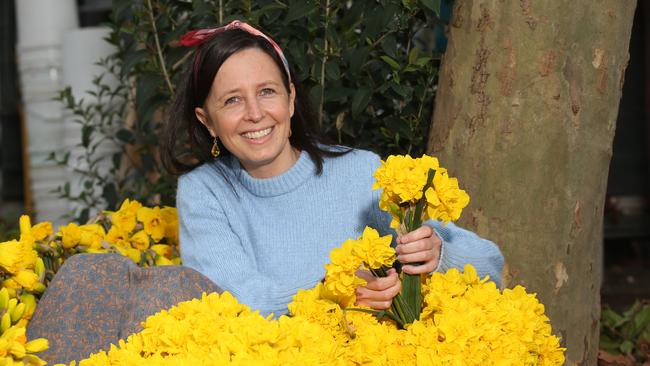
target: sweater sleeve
<point>461,247</point>
<point>209,245</point>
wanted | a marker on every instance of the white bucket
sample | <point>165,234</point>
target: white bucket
<point>43,22</point>
<point>39,57</point>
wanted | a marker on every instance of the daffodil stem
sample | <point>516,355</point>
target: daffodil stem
<point>412,284</point>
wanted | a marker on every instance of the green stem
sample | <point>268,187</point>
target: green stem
<point>411,284</point>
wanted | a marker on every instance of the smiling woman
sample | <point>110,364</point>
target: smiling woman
<point>262,199</point>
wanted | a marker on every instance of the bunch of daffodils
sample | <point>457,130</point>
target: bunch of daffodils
<point>415,190</point>
<point>149,236</point>
<point>465,321</point>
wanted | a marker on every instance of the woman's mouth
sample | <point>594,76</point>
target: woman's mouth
<point>257,134</point>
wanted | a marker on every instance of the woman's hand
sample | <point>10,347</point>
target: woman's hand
<point>421,245</point>
<point>378,292</point>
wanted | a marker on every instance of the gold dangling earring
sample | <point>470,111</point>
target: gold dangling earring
<point>215,148</point>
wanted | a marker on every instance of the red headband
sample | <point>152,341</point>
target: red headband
<point>200,36</point>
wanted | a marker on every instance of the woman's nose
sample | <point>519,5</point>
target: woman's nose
<point>254,110</point>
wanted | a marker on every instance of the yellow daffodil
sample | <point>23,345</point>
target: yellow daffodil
<point>403,178</point>
<point>70,235</point>
<point>116,234</point>
<point>140,240</point>
<point>163,250</point>
<point>127,251</point>
<point>374,251</point>
<point>27,279</point>
<point>125,217</point>
<point>17,255</point>
<point>152,219</point>
<point>42,230</point>
<point>445,200</point>
<point>162,261</point>
<point>11,253</point>
<point>170,218</point>
<point>36,345</point>
<point>91,236</point>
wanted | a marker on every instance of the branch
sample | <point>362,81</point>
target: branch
<point>322,66</point>
<point>161,60</point>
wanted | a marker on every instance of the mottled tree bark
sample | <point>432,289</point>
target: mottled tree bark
<point>525,117</point>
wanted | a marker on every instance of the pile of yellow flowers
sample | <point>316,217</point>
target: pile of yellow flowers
<point>149,236</point>
<point>465,321</point>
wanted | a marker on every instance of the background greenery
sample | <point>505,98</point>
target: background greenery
<point>369,67</point>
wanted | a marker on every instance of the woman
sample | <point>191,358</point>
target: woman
<point>262,200</point>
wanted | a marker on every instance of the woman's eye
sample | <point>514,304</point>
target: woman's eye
<point>267,91</point>
<point>231,100</point>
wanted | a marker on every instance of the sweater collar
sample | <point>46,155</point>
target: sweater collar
<point>278,185</point>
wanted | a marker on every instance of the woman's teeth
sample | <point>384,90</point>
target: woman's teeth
<point>257,134</point>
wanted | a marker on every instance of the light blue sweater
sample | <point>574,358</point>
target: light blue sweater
<point>264,239</point>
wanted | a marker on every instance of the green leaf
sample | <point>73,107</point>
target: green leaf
<point>413,55</point>
<point>423,61</point>
<point>360,100</point>
<point>389,46</point>
<point>358,58</point>
<point>642,319</point>
<point>610,345</point>
<point>86,133</point>
<point>433,5</point>
<point>299,9</point>
<point>332,70</point>
<point>393,64</point>
<point>627,347</point>
<point>611,318</point>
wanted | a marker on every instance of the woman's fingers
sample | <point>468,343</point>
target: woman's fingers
<point>379,292</point>
<point>427,267</point>
<point>422,232</point>
<point>379,283</point>
<point>417,257</point>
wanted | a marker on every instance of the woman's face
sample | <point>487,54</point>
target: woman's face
<point>249,110</point>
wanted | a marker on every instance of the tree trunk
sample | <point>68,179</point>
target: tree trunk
<point>525,117</point>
